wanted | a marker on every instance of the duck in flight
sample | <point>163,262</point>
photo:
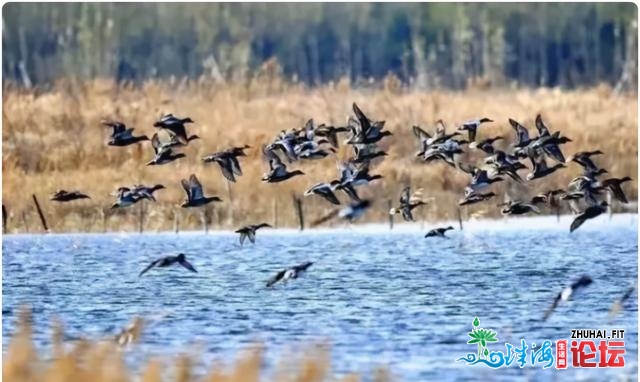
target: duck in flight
<point>277,170</point>
<point>125,197</point>
<point>566,294</point>
<point>438,232</point>
<point>518,208</point>
<point>162,153</point>
<point>167,261</point>
<point>472,126</point>
<point>474,197</point>
<point>289,273</point>
<point>250,232</point>
<point>195,197</point>
<point>147,192</point>
<point>613,185</point>
<point>228,161</point>
<point>67,196</point>
<point>123,136</point>
<point>408,202</point>
<point>589,213</point>
<point>175,127</point>
<point>325,191</point>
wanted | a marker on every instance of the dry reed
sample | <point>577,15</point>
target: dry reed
<point>53,140</point>
<point>102,361</point>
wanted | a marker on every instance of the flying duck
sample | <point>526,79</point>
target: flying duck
<point>289,273</point>
<point>548,197</point>
<point>278,171</point>
<point>324,190</point>
<point>365,153</point>
<point>486,145</point>
<point>250,232</point>
<point>181,259</point>
<point>471,127</point>
<point>331,133</point>
<point>163,154</point>
<point>589,213</point>
<point>540,168</point>
<point>614,186</point>
<point>228,161</point>
<point>147,192</point>
<point>439,232</point>
<point>566,294</point>
<point>473,198</point>
<point>195,197</point>
<point>518,208</point>
<point>125,198</point>
<point>123,136</point>
<point>408,202</point>
<point>365,130</point>
<point>583,158</point>
<point>479,179</point>
<point>175,126</point>
<point>522,134</point>
<point>66,196</point>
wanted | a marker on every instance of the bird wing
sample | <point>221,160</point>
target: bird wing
<point>579,220</point>
<point>521,131</point>
<point>196,187</point>
<point>187,188</point>
<point>351,191</point>
<point>155,143</point>
<point>406,194</point>
<point>178,132</point>
<point>188,265</point>
<point>542,129</point>
<point>616,190</point>
<point>554,152</point>
<point>407,215</point>
<point>276,278</point>
<point>235,165</point>
<point>553,306</point>
<point>251,234</point>
<point>365,124</point>
<point>225,168</point>
<point>153,264</point>
<point>302,267</point>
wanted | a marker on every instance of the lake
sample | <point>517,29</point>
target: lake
<point>381,298</point>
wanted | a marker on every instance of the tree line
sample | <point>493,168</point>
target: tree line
<point>425,45</point>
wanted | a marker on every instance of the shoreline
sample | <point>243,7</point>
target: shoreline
<point>543,222</point>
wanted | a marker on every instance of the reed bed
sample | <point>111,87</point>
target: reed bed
<point>52,139</point>
<point>103,361</point>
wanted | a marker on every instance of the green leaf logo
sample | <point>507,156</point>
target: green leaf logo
<point>476,322</point>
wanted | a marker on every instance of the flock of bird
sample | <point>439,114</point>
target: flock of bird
<point>584,194</point>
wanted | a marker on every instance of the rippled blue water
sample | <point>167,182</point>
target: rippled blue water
<point>380,298</point>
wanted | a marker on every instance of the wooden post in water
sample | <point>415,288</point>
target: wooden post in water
<point>176,221</point>
<point>141,217</point>
<point>459,218</point>
<point>42,219</point>
<point>297,204</point>
<point>230,195</point>
<point>103,216</point>
<point>610,208</point>
<point>4,219</point>
<point>25,222</point>
<point>205,223</point>
<point>389,206</point>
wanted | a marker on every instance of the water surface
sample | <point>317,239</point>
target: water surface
<point>379,297</point>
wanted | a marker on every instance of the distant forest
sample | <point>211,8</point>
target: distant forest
<point>425,45</point>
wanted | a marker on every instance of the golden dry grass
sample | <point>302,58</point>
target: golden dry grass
<point>102,361</point>
<point>53,140</point>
